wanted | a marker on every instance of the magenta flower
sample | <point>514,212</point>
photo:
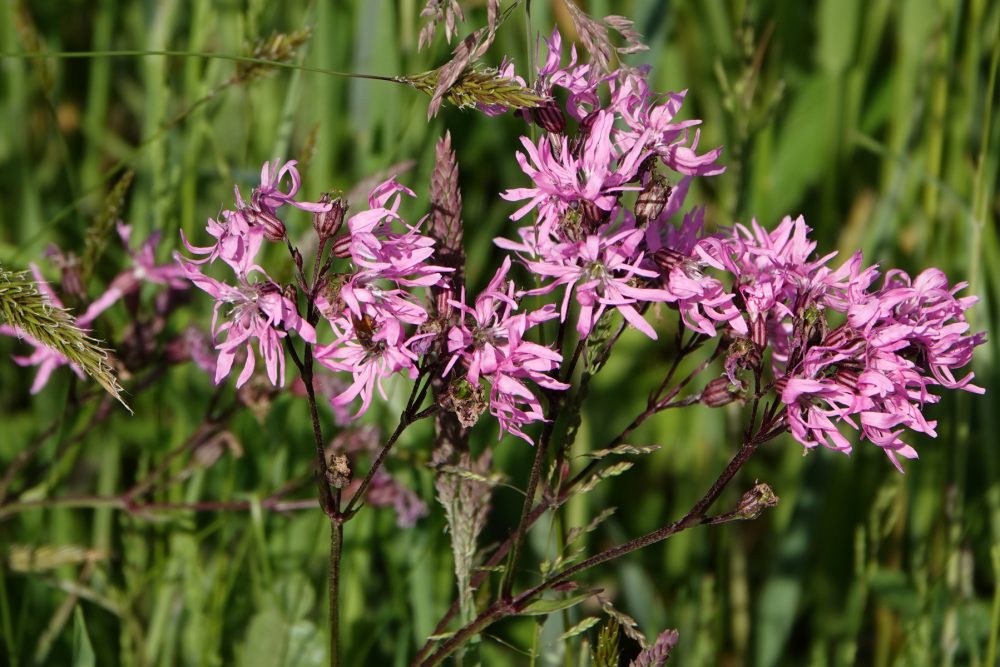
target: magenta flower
<point>652,125</point>
<point>489,341</point>
<point>144,269</point>
<point>600,271</point>
<point>701,299</point>
<point>237,242</point>
<point>371,351</point>
<point>597,173</point>
<point>269,196</point>
<point>255,311</point>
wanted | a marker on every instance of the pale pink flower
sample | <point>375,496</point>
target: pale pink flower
<point>371,350</point>
<point>254,311</point>
<point>489,341</point>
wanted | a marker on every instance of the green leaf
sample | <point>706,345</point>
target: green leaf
<point>83,651</point>
<point>580,628</point>
<point>543,607</point>
<point>622,449</point>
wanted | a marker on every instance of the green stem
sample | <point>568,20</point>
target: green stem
<point>133,53</point>
<point>336,550</point>
<point>696,515</point>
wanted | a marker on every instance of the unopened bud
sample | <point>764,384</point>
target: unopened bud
<point>758,332</point>
<point>666,259</point>
<point>328,223</point>
<point>549,117</point>
<point>274,229</point>
<point>847,377</point>
<point>591,215</point>
<point>842,336</point>
<point>652,199</point>
<point>719,392</point>
<point>342,246</point>
<point>587,123</point>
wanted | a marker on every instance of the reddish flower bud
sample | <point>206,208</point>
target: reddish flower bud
<point>719,392</point>
<point>549,117</point>
<point>652,200</point>
<point>591,215</point>
<point>274,229</point>
<point>342,246</point>
<point>758,332</point>
<point>328,223</point>
<point>666,259</point>
<point>587,123</point>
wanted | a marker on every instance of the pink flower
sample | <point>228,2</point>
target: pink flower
<point>600,271</point>
<point>255,311</point>
<point>269,195</point>
<point>144,269</point>
<point>489,341</point>
<point>598,172</point>
<point>237,242</point>
<point>371,350</point>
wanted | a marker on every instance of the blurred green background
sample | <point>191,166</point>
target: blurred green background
<point>873,119</point>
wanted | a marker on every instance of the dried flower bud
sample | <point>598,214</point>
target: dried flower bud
<point>466,401</point>
<point>719,392</point>
<point>742,355</point>
<point>652,199</point>
<point>338,471</point>
<point>342,246</point>
<point>756,500</point>
<point>328,223</point>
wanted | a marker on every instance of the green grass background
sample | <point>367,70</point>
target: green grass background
<point>873,119</point>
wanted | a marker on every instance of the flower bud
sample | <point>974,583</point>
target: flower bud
<point>342,246</point>
<point>549,117</point>
<point>274,229</point>
<point>652,200</point>
<point>666,259</point>
<point>758,332</point>
<point>587,123</point>
<point>591,215</point>
<point>718,392</point>
<point>328,223</point>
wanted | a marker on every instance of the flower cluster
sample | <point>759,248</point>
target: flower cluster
<point>609,177</point>
<point>489,340</point>
<point>842,351</point>
<point>765,292</point>
<point>613,137</point>
<point>255,308</point>
<point>369,297</point>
